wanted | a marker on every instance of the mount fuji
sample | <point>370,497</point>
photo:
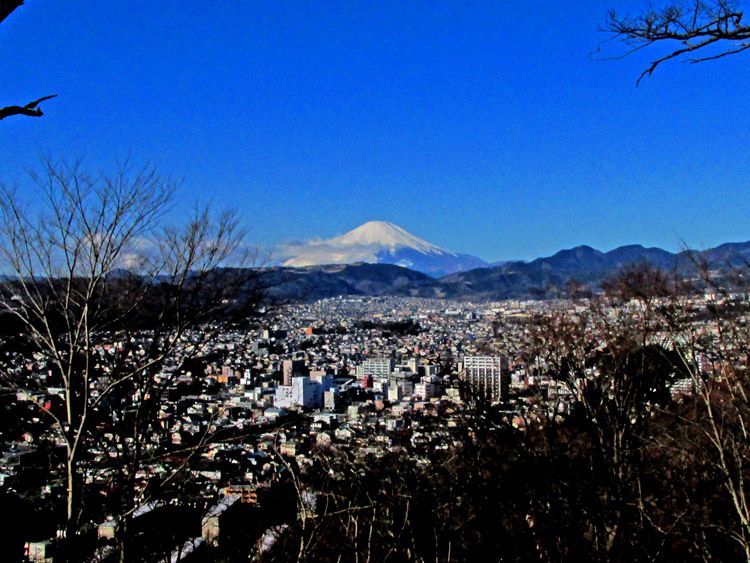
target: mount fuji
<point>380,242</point>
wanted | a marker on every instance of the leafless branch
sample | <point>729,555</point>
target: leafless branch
<point>695,26</point>
<point>29,109</point>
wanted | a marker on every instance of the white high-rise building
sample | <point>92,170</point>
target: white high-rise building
<point>487,375</point>
<point>395,393</point>
<point>425,390</point>
<point>283,397</point>
<point>307,393</point>
<point>377,367</point>
<point>304,392</point>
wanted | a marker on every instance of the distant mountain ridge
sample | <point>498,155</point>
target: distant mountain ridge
<point>381,242</point>
<point>540,278</point>
<point>545,277</point>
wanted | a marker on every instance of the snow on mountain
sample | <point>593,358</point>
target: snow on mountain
<point>385,234</point>
<point>380,242</point>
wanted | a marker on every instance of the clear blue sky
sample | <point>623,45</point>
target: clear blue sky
<point>485,127</point>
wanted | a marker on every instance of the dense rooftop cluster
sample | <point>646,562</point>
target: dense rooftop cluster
<point>241,429</point>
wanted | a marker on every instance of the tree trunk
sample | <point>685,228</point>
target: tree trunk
<point>122,539</point>
<point>68,543</point>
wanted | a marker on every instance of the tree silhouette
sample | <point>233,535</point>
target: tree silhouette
<point>111,303</point>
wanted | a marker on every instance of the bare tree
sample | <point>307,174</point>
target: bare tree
<point>610,357</point>
<point>699,30</point>
<point>110,303</point>
<point>714,339</point>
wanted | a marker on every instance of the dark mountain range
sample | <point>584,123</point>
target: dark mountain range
<point>317,282</point>
<point>540,278</point>
<point>731,253</point>
<point>549,276</point>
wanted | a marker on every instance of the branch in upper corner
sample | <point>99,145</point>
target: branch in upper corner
<point>7,7</point>
<point>29,109</point>
<point>714,28</point>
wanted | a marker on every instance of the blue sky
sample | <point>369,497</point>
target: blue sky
<point>492,128</point>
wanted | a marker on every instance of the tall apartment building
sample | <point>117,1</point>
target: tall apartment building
<point>487,375</point>
<point>377,367</point>
<point>304,392</point>
<point>307,393</point>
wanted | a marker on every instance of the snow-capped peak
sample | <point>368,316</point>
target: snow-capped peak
<point>379,242</point>
<point>388,235</point>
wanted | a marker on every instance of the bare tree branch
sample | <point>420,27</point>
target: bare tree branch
<point>689,26</point>
<point>29,109</point>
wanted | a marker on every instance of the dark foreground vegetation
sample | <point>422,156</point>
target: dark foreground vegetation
<point>624,468</point>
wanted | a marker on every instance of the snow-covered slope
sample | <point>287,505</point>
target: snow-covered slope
<point>386,235</point>
<point>381,242</point>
